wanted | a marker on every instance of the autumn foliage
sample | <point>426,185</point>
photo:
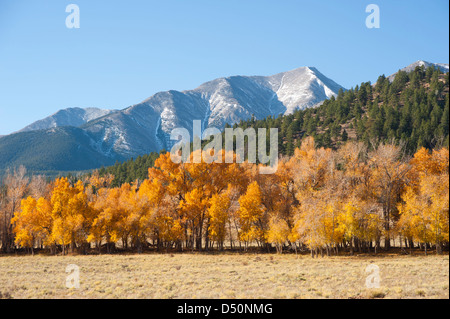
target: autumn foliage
<point>320,200</point>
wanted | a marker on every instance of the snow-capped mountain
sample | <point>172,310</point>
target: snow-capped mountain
<point>444,67</point>
<point>67,117</point>
<point>79,139</point>
<point>146,126</point>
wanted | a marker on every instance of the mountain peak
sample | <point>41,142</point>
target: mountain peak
<point>74,116</point>
<point>146,126</point>
<point>106,136</point>
<point>444,67</point>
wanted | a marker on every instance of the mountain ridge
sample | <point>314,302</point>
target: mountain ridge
<point>106,136</point>
<point>74,116</point>
<point>444,67</point>
<point>145,127</point>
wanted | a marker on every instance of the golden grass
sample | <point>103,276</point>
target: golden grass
<point>223,276</point>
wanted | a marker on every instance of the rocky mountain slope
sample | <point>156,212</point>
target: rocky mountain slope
<point>146,126</point>
<point>67,117</point>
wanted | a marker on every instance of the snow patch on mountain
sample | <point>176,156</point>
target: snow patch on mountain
<point>68,117</point>
<point>444,67</point>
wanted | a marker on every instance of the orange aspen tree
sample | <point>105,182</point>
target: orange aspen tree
<point>33,223</point>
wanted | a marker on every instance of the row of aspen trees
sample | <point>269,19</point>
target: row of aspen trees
<point>319,200</point>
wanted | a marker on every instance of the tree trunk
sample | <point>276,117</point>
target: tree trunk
<point>438,248</point>
<point>351,246</point>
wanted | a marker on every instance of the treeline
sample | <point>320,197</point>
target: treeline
<point>326,201</point>
<point>131,170</point>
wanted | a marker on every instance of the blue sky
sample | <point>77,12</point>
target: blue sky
<point>125,51</point>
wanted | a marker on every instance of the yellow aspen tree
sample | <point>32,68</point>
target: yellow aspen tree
<point>165,224</point>
<point>70,214</point>
<point>348,222</point>
<point>138,218</point>
<point>106,225</point>
<point>219,206</point>
<point>250,215</point>
<point>279,233</point>
<point>32,223</point>
<point>23,223</point>
<point>424,210</point>
<point>193,208</point>
<point>425,213</point>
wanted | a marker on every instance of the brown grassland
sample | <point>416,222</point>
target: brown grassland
<point>225,275</point>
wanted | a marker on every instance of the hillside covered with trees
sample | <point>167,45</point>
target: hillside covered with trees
<point>412,110</point>
<point>131,170</point>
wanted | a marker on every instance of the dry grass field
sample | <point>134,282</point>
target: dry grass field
<point>223,276</point>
